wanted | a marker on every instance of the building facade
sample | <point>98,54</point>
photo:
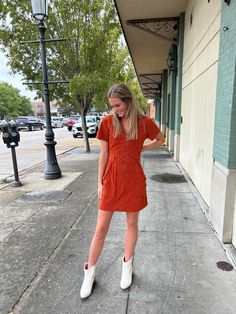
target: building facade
<point>39,108</point>
<point>184,54</point>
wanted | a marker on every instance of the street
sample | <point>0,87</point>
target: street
<point>28,138</point>
<point>31,150</point>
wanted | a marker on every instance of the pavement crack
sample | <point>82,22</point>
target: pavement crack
<point>176,232</point>
<point>127,305</point>
<point>35,280</point>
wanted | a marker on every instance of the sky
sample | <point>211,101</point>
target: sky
<point>14,80</point>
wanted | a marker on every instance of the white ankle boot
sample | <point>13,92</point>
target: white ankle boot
<point>126,277</point>
<point>89,275</point>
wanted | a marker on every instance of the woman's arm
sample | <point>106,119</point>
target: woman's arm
<point>102,165</point>
<point>155,143</point>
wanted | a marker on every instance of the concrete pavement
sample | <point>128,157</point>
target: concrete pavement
<point>46,232</point>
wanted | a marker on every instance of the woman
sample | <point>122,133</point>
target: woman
<point>121,180</point>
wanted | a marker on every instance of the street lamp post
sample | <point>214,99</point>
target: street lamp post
<point>52,170</point>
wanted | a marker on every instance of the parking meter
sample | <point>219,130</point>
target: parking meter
<point>6,136</point>
<point>14,133</point>
<point>11,138</point>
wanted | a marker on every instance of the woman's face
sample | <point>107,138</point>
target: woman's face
<point>118,106</point>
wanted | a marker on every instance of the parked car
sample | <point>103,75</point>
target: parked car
<point>30,123</point>
<point>57,122</point>
<point>92,123</point>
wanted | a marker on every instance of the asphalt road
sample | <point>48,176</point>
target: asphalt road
<point>31,150</point>
<point>28,138</point>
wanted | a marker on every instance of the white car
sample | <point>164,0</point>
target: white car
<point>92,123</point>
<point>57,122</point>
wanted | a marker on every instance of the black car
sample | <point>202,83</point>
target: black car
<point>30,123</point>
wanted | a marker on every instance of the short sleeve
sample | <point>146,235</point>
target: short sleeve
<point>152,129</point>
<point>103,130</point>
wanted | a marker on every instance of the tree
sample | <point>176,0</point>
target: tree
<point>141,100</point>
<point>91,58</point>
<point>12,103</point>
<point>25,108</point>
<point>131,80</point>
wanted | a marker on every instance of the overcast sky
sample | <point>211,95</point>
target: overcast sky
<point>14,80</point>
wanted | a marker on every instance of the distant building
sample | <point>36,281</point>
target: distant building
<point>39,108</point>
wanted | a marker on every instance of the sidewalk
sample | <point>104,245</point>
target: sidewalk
<point>46,229</point>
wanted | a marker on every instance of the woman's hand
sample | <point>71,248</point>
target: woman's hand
<point>102,165</point>
<point>100,190</point>
<point>155,143</point>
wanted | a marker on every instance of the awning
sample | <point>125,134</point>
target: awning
<point>150,28</point>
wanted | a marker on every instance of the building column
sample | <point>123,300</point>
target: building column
<point>180,49</point>
<point>223,186</point>
<point>164,102</point>
<point>158,110</point>
<point>171,104</point>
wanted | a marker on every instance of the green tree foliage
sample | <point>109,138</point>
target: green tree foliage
<point>131,80</point>
<point>89,58</point>
<point>25,108</point>
<point>92,47</point>
<point>12,103</point>
<point>92,58</point>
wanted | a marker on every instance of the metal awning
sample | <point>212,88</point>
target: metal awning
<point>150,28</point>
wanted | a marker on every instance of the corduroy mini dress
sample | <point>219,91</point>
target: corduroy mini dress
<point>124,182</point>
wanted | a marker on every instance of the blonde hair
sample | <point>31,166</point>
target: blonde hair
<point>133,112</point>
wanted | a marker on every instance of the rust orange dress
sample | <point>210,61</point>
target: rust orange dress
<point>124,182</point>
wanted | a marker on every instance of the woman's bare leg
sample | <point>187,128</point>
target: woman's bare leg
<point>131,235</point>
<point>103,223</point>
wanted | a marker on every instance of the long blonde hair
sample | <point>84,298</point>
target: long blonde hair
<point>133,112</point>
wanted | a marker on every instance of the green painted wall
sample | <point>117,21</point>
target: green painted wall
<point>180,49</point>
<point>225,116</point>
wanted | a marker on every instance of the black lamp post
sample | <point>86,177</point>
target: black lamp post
<point>52,170</point>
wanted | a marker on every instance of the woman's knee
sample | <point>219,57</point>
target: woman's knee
<point>101,232</point>
<point>103,223</point>
<point>132,222</point>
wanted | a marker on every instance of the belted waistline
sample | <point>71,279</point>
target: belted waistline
<point>124,159</point>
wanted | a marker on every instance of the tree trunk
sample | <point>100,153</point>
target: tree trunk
<point>85,134</point>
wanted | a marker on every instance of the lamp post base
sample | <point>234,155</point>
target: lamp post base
<point>52,169</point>
<point>16,184</point>
<point>52,176</point>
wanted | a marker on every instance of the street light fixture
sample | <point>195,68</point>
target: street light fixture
<point>52,170</point>
<point>39,9</point>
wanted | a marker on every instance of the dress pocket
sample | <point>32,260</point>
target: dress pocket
<point>108,167</point>
<point>109,180</point>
